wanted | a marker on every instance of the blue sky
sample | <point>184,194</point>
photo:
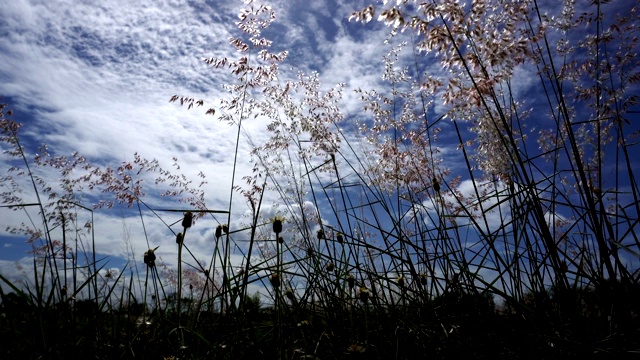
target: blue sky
<point>96,77</point>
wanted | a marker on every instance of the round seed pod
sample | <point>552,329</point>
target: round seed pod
<point>280,239</point>
<point>218,231</point>
<point>435,184</point>
<point>401,281</point>
<point>320,234</point>
<point>179,238</point>
<point>340,238</point>
<point>187,220</point>
<point>225,229</point>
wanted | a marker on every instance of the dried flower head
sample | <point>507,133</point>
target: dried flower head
<point>340,238</point>
<point>401,281</point>
<point>179,238</point>
<point>280,239</point>
<point>435,184</point>
<point>364,294</point>
<point>149,257</point>
<point>289,294</point>
<point>423,279</point>
<point>218,231</point>
<point>330,267</point>
<point>187,220</point>
<point>351,281</point>
<point>320,234</point>
<point>274,279</point>
<point>225,229</point>
<point>277,224</point>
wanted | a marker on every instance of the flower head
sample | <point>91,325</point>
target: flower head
<point>277,224</point>
<point>187,220</point>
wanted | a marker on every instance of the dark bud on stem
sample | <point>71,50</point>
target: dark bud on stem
<point>330,267</point>
<point>218,231</point>
<point>340,238</point>
<point>289,294</point>
<point>225,229</point>
<point>179,238</point>
<point>277,226</point>
<point>281,240</point>
<point>436,184</point>
<point>275,280</point>
<point>187,220</point>
<point>363,294</point>
<point>423,279</point>
<point>149,258</point>
<point>320,234</point>
<point>351,281</point>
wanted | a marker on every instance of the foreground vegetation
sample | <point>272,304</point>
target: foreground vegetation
<point>378,248</point>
